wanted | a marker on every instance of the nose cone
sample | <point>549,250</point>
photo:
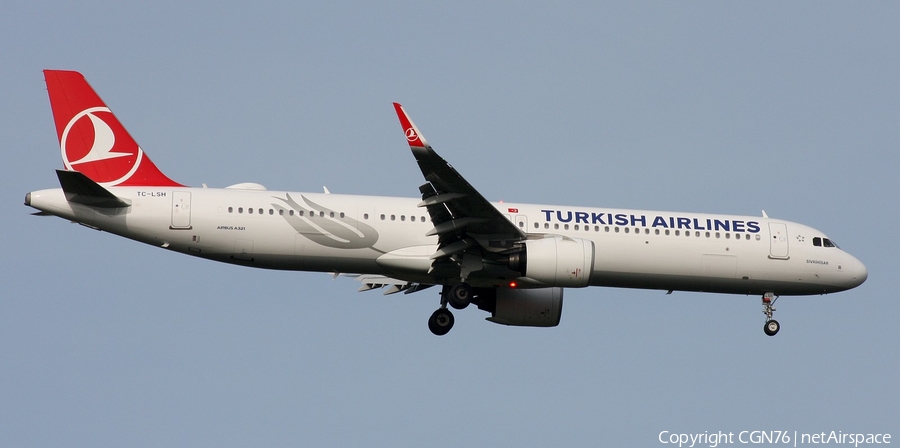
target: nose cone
<point>856,270</point>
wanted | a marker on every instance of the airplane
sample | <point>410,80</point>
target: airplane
<point>512,260</point>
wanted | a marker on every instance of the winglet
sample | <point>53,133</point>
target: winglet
<point>413,136</point>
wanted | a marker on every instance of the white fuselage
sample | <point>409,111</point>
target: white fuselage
<point>387,236</point>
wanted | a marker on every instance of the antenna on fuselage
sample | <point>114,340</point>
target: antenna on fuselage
<point>765,215</point>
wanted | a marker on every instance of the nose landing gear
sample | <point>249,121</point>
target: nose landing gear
<point>772,326</point>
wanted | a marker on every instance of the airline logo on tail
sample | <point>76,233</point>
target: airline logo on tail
<point>92,140</point>
<point>89,138</point>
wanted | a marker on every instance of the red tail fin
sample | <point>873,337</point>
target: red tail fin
<point>91,138</point>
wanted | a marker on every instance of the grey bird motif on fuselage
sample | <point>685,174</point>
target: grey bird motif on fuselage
<point>324,226</point>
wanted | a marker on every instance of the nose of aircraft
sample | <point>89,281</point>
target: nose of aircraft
<point>857,271</point>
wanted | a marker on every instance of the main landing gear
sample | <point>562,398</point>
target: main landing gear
<point>440,322</point>
<point>772,326</point>
<point>458,296</point>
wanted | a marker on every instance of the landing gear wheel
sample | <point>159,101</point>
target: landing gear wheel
<point>771,328</point>
<point>460,295</point>
<point>440,322</point>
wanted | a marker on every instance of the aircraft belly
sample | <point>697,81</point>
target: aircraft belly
<point>691,265</point>
<point>701,284</point>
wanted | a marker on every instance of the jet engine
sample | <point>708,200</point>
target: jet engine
<point>556,261</point>
<point>527,307</point>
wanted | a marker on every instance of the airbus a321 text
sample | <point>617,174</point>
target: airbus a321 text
<point>512,260</point>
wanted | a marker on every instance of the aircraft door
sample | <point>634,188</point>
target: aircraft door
<point>181,210</point>
<point>778,241</point>
<point>522,222</point>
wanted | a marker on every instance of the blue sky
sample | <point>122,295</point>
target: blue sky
<point>697,107</point>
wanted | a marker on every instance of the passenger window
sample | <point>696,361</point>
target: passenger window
<point>566,227</point>
<point>281,212</point>
<point>250,211</point>
<point>240,209</point>
<point>271,212</point>
<point>626,230</point>
<point>365,216</point>
<point>301,213</point>
<point>423,219</point>
<point>536,225</point>
<point>393,217</point>
<point>546,225</point>
<point>322,214</point>
<point>382,217</point>
<point>576,226</point>
<point>260,211</point>
<point>403,217</point>
<point>656,231</point>
<point>556,226</point>
<point>291,212</point>
<point>230,209</point>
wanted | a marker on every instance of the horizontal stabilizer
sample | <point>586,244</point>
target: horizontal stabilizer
<point>82,190</point>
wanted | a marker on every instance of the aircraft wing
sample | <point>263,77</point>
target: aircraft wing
<point>371,281</point>
<point>464,221</point>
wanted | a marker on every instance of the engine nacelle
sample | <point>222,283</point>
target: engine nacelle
<point>556,261</point>
<point>528,307</point>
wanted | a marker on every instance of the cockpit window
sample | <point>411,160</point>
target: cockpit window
<point>823,242</point>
